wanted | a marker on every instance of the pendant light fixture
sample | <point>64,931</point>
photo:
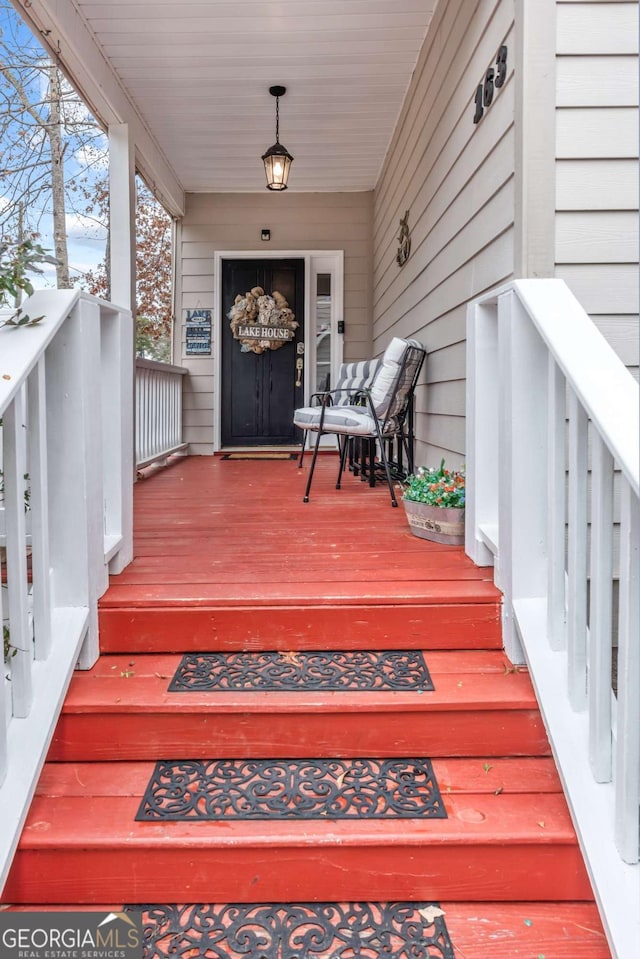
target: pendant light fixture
<point>277,160</point>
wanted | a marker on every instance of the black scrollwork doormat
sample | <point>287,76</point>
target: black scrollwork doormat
<point>351,671</point>
<point>259,456</point>
<point>320,930</point>
<point>292,789</point>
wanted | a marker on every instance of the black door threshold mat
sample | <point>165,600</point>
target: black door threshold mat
<point>350,671</point>
<point>318,930</point>
<point>290,789</point>
<point>259,456</point>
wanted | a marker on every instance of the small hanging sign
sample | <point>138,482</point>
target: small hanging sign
<point>404,241</point>
<point>262,321</point>
<point>197,332</point>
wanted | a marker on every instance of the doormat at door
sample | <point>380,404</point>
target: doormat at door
<point>348,671</point>
<point>259,456</point>
<point>290,789</point>
<point>317,930</point>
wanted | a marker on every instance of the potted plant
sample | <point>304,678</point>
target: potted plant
<point>434,502</point>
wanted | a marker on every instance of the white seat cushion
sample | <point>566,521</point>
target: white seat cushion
<point>352,420</point>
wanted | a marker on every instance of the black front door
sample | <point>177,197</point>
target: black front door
<point>259,390</point>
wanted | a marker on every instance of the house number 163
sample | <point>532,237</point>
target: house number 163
<point>493,78</point>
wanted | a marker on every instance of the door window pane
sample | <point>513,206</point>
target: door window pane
<point>323,332</point>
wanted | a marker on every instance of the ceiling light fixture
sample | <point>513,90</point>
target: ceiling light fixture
<point>277,160</point>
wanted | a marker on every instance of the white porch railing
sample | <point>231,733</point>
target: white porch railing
<point>158,411</point>
<point>535,360</point>
<point>66,453</point>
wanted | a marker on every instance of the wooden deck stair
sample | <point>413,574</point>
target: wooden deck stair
<point>228,558</point>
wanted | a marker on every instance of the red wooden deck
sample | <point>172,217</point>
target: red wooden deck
<point>226,550</point>
<point>227,557</point>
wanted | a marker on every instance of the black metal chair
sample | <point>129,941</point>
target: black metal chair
<point>383,416</point>
<point>355,376</point>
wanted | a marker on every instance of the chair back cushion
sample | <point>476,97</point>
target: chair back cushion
<point>354,376</point>
<point>385,387</point>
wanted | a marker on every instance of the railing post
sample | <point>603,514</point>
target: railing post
<point>481,428</point>
<point>67,485</point>
<point>525,416</point>
<point>117,427</point>
<point>512,645</point>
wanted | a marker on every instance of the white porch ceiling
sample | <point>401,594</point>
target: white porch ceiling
<point>198,73</point>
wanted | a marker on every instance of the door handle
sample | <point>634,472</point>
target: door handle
<point>299,369</point>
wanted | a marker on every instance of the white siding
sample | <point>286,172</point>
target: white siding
<point>457,181</point>
<point>596,233</point>
<point>298,221</point>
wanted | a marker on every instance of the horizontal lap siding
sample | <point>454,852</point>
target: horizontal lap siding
<point>457,181</point>
<point>596,226</point>
<point>597,164</point>
<point>298,221</point>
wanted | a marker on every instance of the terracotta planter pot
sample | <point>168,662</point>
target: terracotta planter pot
<point>435,523</point>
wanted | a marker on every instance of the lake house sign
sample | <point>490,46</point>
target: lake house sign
<point>261,321</point>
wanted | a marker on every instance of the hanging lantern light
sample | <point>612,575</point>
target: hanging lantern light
<point>277,160</point>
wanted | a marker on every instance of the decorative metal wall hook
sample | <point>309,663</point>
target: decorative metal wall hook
<point>404,241</point>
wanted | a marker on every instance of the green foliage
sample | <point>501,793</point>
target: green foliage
<point>437,487</point>
<point>9,650</point>
<point>152,343</point>
<point>17,262</point>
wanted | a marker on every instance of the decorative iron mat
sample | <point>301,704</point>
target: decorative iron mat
<point>302,671</point>
<point>292,789</point>
<point>319,930</point>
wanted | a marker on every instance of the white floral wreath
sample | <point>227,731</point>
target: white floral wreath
<point>258,309</point>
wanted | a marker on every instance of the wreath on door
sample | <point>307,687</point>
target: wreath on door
<point>262,321</point>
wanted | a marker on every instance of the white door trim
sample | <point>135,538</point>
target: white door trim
<point>309,257</point>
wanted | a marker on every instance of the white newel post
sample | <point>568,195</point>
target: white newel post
<point>505,479</point>
<point>90,373</point>
<point>529,451</point>
<point>117,430</point>
<point>481,508</point>
<point>67,486</point>
<point>122,343</point>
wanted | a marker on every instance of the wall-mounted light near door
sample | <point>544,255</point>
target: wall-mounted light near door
<point>277,160</point>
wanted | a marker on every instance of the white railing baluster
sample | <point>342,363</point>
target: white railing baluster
<point>628,718</point>
<point>595,736</point>
<point>158,411</point>
<point>40,559</point>
<point>577,555</point>
<point>600,611</point>
<point>556,511</point>
<point>15,468</point>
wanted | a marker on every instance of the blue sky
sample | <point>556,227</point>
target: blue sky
<point>86,238</point>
